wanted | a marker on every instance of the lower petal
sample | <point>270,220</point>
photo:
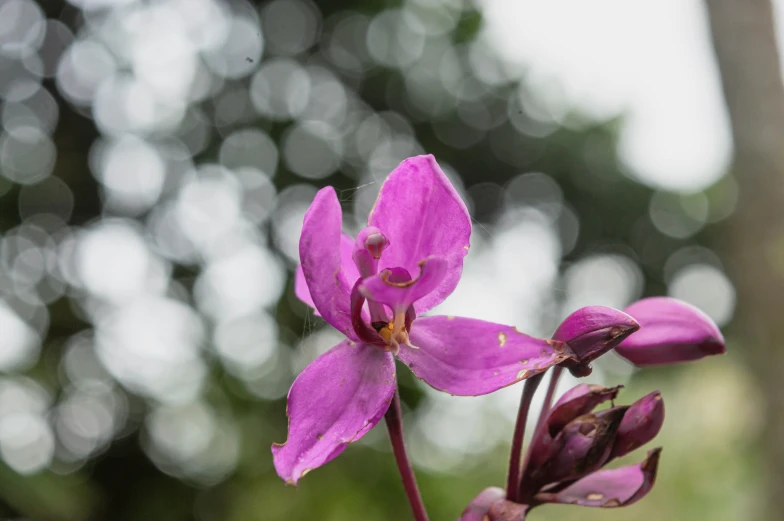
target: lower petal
<point>469,357</point>
<point>609,488</point>
<point>337,399</point>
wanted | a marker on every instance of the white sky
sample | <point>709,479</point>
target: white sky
<point>651,59</point>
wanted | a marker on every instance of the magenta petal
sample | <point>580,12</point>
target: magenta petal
<point>346,259</point>
<point>609,488</point>
<point>339,397</point>
<point>592,331</point>
<point>478,507</point>
<point>421,214</point>
<point>323,261</point>
<point>640,424</point>
<point>579,400</point>
<point>671,331</point>
<point>469,357</point>
<point>301,289</point>
<point>399,295</point>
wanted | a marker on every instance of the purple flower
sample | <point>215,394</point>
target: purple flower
<point>417,235</point>
<point>671,331</point>
<point>566,458</point>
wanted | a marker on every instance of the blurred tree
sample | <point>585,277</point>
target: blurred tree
<point>744,39</point>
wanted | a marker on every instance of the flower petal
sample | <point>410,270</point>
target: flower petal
<point>323,262</point>
<point>469,357</point>
<point>592,331</point>
<point>478,507</point>
<point>301,289</point>
<point>340,396</point>
<point>671,331</point>
<point>579,400</point>
<point>641,423</point>
<point>421,214</point>
<point>609,488</point>
<point>347,264</point>
<point>389,289</point>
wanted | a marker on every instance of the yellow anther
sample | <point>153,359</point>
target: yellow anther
<point>394,332</point>
<point>386,332</point>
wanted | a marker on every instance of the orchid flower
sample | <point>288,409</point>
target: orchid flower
<point>567,456</point>
<point>374,289</point>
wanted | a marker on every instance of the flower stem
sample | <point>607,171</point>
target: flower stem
<point>548,397</point>
<point>513,477</point>
<point>540,423</point>
<point>394,419</point>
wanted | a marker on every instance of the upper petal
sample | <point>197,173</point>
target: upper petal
<point>469,357</point>
<point>322,260</point>
<point>421,214</point>
<point>609,488</point>
<point>671,331</point>
<point>340,396</point>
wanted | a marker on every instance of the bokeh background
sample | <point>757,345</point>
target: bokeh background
<point>156,159</point>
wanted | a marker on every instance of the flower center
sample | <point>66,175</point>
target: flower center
<point>393,289</point>
<point>394,332</point>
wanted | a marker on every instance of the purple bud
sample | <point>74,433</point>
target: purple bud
<point>671,332</point>
<point>506,511</point>
<point>592,331</point>
<point>640,424</point>
<point>577,401</point>
<point>583,446</point>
